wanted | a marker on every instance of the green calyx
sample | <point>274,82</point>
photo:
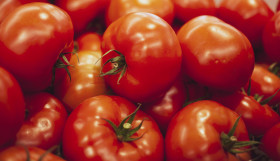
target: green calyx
<point>119,65</point>
<point>124,130</point>
<point>42,156</point>
<point>231,144</point>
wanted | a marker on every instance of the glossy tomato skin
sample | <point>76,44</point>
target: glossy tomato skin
<point>194,132</point>
<point>188,9</point>
<point>163,109</point>
<point>88,137</point>
<point>12,107</point>
<point>85,80</point>
<point>32,37</point>
<point>89,41</point>
<point>18,153</point>
<point>258,118</point>
<point>152,54</point>
<point>82,12</point>
<point>249,16</point>
<point>215,54</point>
<point>265,83</point>
<point>44,123</point>
<point>6,6</point>
<point>271,37</point>
<point>161,8</point>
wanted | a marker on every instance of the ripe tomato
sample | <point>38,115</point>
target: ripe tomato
<point>258,118</point>
<point>31,39</point>
<point>85,81</point>
<point>271,37</point>
<point>89,41</point>
<point>19,153</point>
<point>188,9</point>
<point>161,8</point>
<point>264,83</point>
<point>194,133</point>
<point>12,107</point>
<point>7,6</point>
<point>215,54</point>
<point>82,12</point>
<point>163,109</point>
<point>44,121</point>
<point>150,56</point>
<point>271,141</point>
<point>249,16</point>
<point>88,137</point>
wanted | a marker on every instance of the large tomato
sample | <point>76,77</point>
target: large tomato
<point>149,56</point>
<point>195,132</point>
<point>44,123</point>
<point>249,16</point>
<point>271,37</point>
<point>215,54</point>
<point>31,39</point>
<point>12,106</point>
<point>161,8</point>
<point>88,137</point>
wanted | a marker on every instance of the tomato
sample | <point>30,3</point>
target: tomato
<point>31,39</point>
<point>163,109</point>
<point>249,16</point>
<point>270,142</point>
<point>194,133</point>
<point>82,12</point>
<point>215,54</point>
<point>85,80</point>
<point>7,6</point>
<point>258,118</point>
<point>150,56</point>
<point>89,41</point>
<point>119,8</point>
<point>19,153</point>
<point>271,37</point>
<point>12,106</point>
<point>88,137</point>
<point>264,83</point>
<point>44,122</point>
<point>188,9</point>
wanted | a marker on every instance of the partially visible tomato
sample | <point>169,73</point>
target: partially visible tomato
<point>44,122</point>
<point>85,80</point>
<point>248,16</point>
<point>88,137</point>
<point>215,54</point>
<point>89,41</point>
<point>119,8</point>
<point>31,39</point>
<point>188,9</point>
<point>150,56</point>
<point>12,107</point>
<point>195,132</point>
<point>271,37</point>
<point>20,153</point>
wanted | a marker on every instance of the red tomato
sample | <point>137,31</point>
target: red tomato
<point>188,9</point>
<point>271,37</point>
<point>88,137</point>
<point>44,122</point>
<point>265,83</point>
<point>271,141</point>
<point>194,133</point>
<point>32,37</point>
<point>89,41</point>
<point>249,16</point>
<point>215,54</point>
<point>258,119</point>
<point>18,153</point>
<point>12,107</point>
<point>7,6</point>
<point>85,81</point>
<point>163,109</point>
<point>119,8</point>
<point>151,56</point>
<point>82,12</point>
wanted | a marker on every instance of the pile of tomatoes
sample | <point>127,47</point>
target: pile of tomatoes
<point>149,80</point>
